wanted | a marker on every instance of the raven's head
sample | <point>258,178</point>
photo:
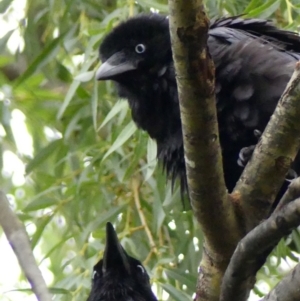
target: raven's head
<point>119,276</point>
<point>139,46</point>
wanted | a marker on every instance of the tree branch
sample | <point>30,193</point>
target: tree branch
<point>287,289</point>
<point>292,193</point>
<point>18,239</point>
<point>135,189</point>
<point>195,81</point>
<point>254,248</point>
<point>278,146</point>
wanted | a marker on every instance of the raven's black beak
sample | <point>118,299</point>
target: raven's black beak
<point>117,64</point>
<point>114,254</point>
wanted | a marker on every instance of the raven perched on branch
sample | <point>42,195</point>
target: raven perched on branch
<point>254,60</point>
<point>119,276</point>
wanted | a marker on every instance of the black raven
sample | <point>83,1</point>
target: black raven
<point>119,276</point>
<point>254,61</point>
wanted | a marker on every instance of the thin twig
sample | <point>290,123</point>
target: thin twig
<point>132,230</point>
<point>145,262</point>
<point>19,241</point>
<point>135,189</point>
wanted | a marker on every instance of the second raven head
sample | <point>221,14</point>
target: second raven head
<point>118,276</point>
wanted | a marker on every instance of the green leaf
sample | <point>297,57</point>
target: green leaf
<point>154,4</point>
<point>119,106</point>
<point>264,10</point>
<point>5,60</point>
<point>174,293</point>
<point>151,158</point>
<point>42,155</point>
<point>183,278</point>
<point>52,290</point>
<point>252,5</point>
<point>75,84</point>
<point>42,202</point>
<point>4,4</point>
<point>296,239</point>
<point>55,247</point>
<point>95,104</point>
<point>72,90</point>
<point>58,290</point>
<point>5,38</point>
<point>41,59</point>
<point>126,133</point>
<point>85,76</point>
<point>100,221</point>
<point>41,224</point>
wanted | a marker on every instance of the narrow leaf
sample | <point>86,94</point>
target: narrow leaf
<point>95,104</point>
<point>126,133</point>
<point>85,76</point>
<point>151,158</point>
<point>42,155</point>
<point>174,293</point>
<point>40,59</point>
<point>4,4</point>
<point>119,106</point>
<point>40,227</point>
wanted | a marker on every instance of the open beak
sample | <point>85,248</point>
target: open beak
<point>117,64</point>
<point>114,254</point>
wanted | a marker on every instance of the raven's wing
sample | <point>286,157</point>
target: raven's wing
<point>265,30</point>
<point>251,70</point>
<point>253,61</point>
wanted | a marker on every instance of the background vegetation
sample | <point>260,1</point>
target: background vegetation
<point>72,159</point>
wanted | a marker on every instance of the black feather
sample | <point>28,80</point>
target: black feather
<point>118,276</point>
<point>254,61</point>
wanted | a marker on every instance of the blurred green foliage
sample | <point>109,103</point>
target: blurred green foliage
<point>89,160</point>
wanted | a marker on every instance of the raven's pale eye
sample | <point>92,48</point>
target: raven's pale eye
<point>141,268</point>
<point>140,48</point>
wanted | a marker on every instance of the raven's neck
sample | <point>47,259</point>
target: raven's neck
<point>154,104</point>
<point>155,109</point>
